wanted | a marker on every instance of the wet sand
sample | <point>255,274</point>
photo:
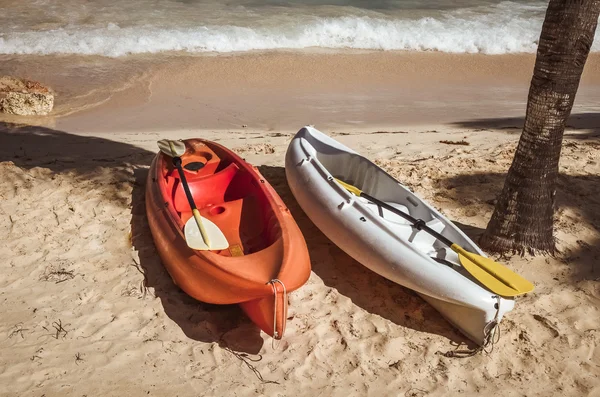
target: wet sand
<point>284,90</point>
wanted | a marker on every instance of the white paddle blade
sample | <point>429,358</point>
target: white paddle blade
<point>171,148</point>
<point>194,239</point>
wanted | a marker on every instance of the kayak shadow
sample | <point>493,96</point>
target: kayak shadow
<point>368,290</point>
<point>226,325</point>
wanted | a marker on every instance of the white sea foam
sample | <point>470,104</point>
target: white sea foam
<point>502,29</point>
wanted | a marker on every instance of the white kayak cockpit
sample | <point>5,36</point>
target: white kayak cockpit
<point>346,165</point>
<point>422,240</point>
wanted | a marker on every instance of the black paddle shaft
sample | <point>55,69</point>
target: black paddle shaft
<point>186,188</point>
<point>418,224</point>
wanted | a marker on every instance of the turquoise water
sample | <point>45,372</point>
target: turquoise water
<point>120,27</point>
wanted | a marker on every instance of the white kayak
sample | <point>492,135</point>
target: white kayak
<point>383,241</point>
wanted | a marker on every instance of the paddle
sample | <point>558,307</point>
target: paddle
<point>200,233</point>
<point>498,278</point>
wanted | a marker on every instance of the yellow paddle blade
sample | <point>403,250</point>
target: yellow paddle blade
<point>350,188</point>
<point>496,277</point>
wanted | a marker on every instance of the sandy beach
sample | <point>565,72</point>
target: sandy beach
<point>88,309</point>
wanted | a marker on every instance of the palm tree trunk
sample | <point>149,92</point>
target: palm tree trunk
<point>523,217</point>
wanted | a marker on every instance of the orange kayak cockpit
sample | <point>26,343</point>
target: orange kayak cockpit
<point>223,193</point>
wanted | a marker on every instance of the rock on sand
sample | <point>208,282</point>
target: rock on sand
<point>24,97</point>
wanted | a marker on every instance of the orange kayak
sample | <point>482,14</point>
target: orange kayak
<point>267,255</point>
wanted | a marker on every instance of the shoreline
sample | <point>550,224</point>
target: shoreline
<point>285,90</point>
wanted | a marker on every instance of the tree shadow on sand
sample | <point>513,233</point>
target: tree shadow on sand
<point>586,124</point>
<point>115,166</point>
<point>577,194</point>
<point>368,290</point>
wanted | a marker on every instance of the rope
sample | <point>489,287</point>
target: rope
<point>491,336</point>
<point>276,336</point>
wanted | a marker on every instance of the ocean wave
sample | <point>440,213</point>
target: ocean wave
<point>458,32</point>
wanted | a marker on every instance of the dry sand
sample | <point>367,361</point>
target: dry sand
<point>88,309</point>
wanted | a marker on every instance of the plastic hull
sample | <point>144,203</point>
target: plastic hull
<point>381,242</point>
<point>265,242</point>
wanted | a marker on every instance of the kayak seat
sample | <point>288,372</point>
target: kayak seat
<point>423,240</point>
<point>385,214</point>
<point>240,220</point>
<point>206,190</point>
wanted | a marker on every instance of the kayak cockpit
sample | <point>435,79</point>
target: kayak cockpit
<point>403,228</point>
<point>360,172</point>
<point>224,193</point>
